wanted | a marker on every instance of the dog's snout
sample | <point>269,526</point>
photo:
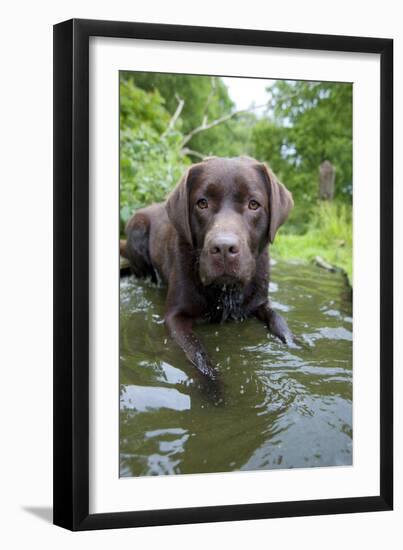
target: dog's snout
<point>225,245</point>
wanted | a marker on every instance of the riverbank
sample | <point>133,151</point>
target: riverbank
<point>329,236</point>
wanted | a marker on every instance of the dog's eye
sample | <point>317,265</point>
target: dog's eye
<point>202,203</point>
<point>253,205</point>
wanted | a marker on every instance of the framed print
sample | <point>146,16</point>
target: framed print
<point>223,317</point>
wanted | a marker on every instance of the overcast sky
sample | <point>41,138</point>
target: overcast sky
<point>246,91</point>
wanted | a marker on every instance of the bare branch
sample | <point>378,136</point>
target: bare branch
<point>206,126</point>
<point>176,115</point>
<point>192,153</point>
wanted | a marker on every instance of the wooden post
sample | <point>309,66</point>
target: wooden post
<point>327,176</point>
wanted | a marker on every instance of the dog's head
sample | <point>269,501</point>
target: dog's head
<point>228,210</point>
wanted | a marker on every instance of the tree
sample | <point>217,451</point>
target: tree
<point>320,118</point>
<point>167,121</point>
<point>150,160</point>
<point>205,99</point>
<point>156,144</point>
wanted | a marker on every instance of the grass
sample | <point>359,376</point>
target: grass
<point>329,236</point>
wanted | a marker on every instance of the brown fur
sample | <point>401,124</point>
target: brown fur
<point>213,258</point>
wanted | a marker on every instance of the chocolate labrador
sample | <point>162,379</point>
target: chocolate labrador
<point>209,243</point>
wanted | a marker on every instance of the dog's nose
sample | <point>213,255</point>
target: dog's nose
<point>226,245</point>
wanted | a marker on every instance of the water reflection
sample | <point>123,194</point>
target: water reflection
<point>143,398</point>
<point>283,408</point>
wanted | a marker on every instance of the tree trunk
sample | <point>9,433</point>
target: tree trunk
<point>327,175</point>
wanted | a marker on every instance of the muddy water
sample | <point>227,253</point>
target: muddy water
<point>283,407</point>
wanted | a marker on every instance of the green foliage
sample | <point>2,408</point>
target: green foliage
<point>196,91</point>
<point>310,122</point>
<point>233,138</point>
<point>307,123</point>
<point>329,235</point>
<point>151,159</point>
<point>205,98</point>
<point>150,162</point>
<point>139,108</point>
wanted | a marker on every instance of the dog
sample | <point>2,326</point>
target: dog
<point>208,242</point>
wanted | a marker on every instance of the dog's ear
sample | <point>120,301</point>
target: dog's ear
<point>177,206</point>
<point>280,201</point>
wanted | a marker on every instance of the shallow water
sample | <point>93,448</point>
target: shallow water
<point>283,407</point>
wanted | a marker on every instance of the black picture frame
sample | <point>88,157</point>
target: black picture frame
<point>71,274</point>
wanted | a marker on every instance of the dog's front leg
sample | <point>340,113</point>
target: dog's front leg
<point>275,323</point>
<point>181,329</point>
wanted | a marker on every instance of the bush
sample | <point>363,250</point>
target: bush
<point>150,162</point>
<point>329,235</point>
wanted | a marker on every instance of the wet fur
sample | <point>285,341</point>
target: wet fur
<point>162,244</point>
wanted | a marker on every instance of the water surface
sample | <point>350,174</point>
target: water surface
<point>283,407</point>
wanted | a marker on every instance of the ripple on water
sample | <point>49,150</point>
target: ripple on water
<point>336,333</point>
<point>141,399</point>
<point>282,407</point>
